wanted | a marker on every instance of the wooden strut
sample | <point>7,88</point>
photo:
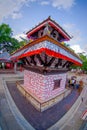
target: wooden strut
<point>46,64</point>
<point>59,63</point>
<point>27,61</point>
<point>32,59</point>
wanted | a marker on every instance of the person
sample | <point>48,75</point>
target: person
<point>3,65</point>
<point>77,84</point>
<point>72,82</point>
<point>82,99</point>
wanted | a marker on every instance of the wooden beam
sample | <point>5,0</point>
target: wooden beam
<point>69,64</point>
<point>23,60</point>
<point>59,63</point>
<point>51,61</point>
<point>27,61</point>
<point>65,64</point>
<point>32,59</point>
<point>40,59</point>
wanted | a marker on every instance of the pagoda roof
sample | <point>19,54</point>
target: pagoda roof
<point>25,51</point>
<point>53,24</point>
<point>4,57</point>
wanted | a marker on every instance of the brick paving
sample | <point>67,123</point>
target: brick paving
<point>41,120</point>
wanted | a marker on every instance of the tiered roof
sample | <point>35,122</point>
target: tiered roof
<point>48,44</point>
<point>4,57</point>
<point>53,24</point>
<point>28,51</point>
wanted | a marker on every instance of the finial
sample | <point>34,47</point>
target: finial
<point>49,17</point>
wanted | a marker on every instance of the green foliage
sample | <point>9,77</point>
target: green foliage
<point>83,57</point>
<point>68,46</point>
<point>22,43</point>
<point>7,43</point>
<point>84,60</point>
<point>84,63</point>
<point>5,30</point>
<point>84,66</point>
<point>74,67</point>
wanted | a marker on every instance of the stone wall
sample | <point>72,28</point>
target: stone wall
<point>42,86</point>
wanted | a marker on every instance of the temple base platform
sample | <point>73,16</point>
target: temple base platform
<point>39,104</point>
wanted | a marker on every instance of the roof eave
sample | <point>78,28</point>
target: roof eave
<point>52,23</point>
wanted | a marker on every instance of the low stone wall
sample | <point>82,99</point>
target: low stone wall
<point>37,103</point>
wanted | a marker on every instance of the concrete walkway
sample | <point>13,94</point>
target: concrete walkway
<point>7,119</point>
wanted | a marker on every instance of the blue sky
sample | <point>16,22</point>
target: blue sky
<point>22,15</point>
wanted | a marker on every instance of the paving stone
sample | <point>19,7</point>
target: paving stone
<point>7,120</point>
<point>41,120</point>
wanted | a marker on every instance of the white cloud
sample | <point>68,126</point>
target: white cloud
<point>16,15</point>
<point>65,4</point>
<point>44,2</point>
<point>74,33</point>
<point>77,48</point>
<point>12,8</point>
<point>60,4</point>
<point>85,48</point>
<point>76,38</point>
<point>20,37</point>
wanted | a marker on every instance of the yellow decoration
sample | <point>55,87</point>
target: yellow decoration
<point>62,43</point>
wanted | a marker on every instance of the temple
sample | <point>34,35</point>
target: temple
<point>46,62</point>
<point>5,61</point>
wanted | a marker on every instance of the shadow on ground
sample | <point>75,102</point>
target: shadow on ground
<point>41,120</point>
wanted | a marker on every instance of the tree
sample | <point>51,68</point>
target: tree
<point>7,43</point>
<point>22,43</point>
<point>84,60</point>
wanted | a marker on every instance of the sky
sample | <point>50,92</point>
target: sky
<point>23,15</point>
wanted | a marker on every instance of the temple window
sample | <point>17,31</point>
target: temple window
<point>57,83</point>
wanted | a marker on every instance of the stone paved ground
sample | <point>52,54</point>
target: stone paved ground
<point>41,120</point>
<point>7,120</point>
<point>76,122</point>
